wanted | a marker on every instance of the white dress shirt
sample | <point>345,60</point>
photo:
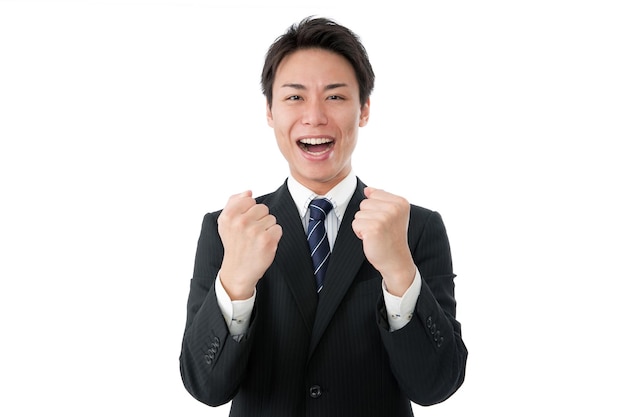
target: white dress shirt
<point>399,309</point>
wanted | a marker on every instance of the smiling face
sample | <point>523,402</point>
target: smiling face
<point>316,115</point>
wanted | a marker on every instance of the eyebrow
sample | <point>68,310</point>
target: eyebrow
<point>302,87</point>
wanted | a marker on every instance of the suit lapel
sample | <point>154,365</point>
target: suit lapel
<point>292,263</point>
<point>345,261</point>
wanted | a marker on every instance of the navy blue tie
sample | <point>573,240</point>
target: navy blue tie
<point>318,239</point>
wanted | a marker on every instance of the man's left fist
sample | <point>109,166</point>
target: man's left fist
<point>382,224</point>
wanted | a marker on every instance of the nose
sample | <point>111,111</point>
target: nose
<point>314,113</point>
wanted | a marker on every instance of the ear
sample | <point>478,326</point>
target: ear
<point>268,114</point>
<point>365,114</point>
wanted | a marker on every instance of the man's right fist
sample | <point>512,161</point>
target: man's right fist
<point>250,237</point>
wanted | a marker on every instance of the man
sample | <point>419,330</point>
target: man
<point>348,313</point>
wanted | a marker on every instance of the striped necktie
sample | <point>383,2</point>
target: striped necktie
<point>318,239</point>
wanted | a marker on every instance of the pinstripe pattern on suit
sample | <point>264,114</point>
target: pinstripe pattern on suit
<point>329,357</point>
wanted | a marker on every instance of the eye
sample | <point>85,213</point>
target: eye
<point>294,98</point>
<point>335,97</point>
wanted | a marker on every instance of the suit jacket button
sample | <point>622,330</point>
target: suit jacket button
<point>208,359</point>
<point>315,391</point>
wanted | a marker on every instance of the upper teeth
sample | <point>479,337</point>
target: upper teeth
<point>315,141</point>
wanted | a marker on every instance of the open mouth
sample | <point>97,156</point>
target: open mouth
<point>316,146</point>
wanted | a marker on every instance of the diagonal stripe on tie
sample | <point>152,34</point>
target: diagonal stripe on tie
<point>318,239</point>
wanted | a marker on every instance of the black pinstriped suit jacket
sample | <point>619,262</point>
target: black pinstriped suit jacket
<point>332,356</point>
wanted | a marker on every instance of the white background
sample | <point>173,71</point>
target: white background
<point>123,122</point>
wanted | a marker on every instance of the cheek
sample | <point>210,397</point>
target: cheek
<point>281,124</point>
<point>283,141</point>
<point>351,134</point>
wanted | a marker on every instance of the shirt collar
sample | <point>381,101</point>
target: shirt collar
<point>339,195</point>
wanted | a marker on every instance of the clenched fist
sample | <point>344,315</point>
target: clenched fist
<point>250,236</point>
<point>382,224</point>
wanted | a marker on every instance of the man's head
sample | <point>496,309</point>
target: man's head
<point>317,81</point>
<point>324,34</point>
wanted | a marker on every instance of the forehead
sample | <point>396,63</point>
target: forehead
<point>314,65</point>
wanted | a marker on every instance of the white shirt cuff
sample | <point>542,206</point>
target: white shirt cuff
<point>236,313</point>
<point>400,309</point>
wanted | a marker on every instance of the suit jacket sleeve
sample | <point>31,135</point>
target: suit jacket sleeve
<point>212,363</point>
<point>428,356</point>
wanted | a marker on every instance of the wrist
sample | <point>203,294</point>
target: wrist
<point>236,288</point>
<point>237,292</point>
<point>400,279</point>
